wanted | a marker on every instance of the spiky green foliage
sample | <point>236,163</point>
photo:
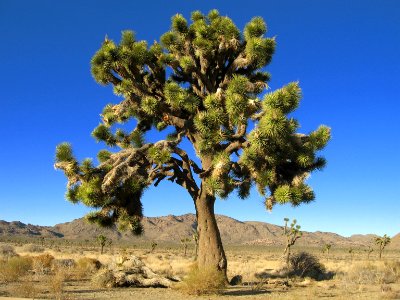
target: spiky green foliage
<point>103,155</point>
<point>206,81</point>
<point>64,153</point>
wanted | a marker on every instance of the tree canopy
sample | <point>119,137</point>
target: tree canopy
<point>207,81</point>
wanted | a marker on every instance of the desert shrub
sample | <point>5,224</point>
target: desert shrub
<point>392,271</point>
<point>42,263</point>
<point>64,263</point>
<point>7,251</point>
<point>165,269</point>
<point>32,248</point>
<point>203,282</point>
<point>103,278</point>
<point>362,273</point>
<point>12,269</point>
<point>85,266</point>
<point>304,264</point>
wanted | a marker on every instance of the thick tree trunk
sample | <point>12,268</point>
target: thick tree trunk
<point>210,250</point>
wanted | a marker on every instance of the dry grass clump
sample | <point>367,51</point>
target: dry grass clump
<point>392,269</point>
<point>374,273</point>
<point>168,265</point>
<point>7,251</point>
<point>42,263</point>
<point>388,293</point>
<point>86,266</point>
<point>56,283</point>
<point>26,289</point>
<point>14,268</point>
<point>32,248</point>
<point>63,263</point>
<point>104,278</point>
<point>205,281</point>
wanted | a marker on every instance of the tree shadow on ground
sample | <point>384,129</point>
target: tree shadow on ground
<point>84,291</point>
<point>291,274</point>
<point>244,291</point>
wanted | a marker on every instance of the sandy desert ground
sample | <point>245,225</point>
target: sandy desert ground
<point>354,275</point>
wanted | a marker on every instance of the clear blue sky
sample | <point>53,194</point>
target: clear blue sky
<point>344,53</point>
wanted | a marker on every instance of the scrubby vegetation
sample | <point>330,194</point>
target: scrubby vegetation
<point>14,268</point>
<point>86,266</point>
<point>33,248</point>
<point>203,282</point>
<point>7,251</point>
<point>103,279</point>
<point>42,263</point>
<point>304,264</point>
<point>374,273</point>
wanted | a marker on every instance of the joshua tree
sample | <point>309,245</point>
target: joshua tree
<point>382,242</point>
<point>185,242</point>
<point>327,248</point>
<point>153,246</point>
<point>369,251</point>
<point>292,234</point>
<point>205,83</point>
<point>351,252</point>
<point>102,241</point>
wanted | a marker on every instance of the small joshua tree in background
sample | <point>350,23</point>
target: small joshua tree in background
<point>185,242</point>
<point>382,242</point>
<point>292,234</point>
<point>327,248</point>
<point>102,241</point>
<point>369,251</point>
<point>351,252</point>
<point>153,246</point>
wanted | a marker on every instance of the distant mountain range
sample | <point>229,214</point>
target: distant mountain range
<point>173,228</point>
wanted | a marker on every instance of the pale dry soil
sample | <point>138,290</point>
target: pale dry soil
<point>355,276</point>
